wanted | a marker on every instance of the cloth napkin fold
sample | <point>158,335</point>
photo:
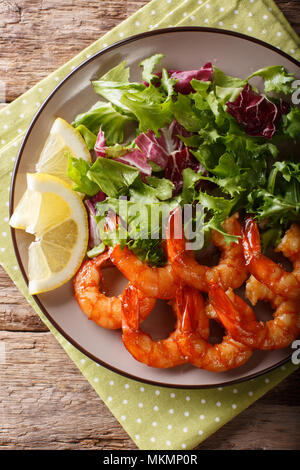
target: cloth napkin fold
<point>154,417</point>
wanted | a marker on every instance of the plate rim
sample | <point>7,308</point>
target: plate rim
<point>103,51</point>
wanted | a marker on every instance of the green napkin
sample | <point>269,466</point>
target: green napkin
<point>155,417</point>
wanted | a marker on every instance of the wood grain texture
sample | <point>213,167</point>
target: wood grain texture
<point>38,36</point>
<point>39,410</point>
<point>50,32</point>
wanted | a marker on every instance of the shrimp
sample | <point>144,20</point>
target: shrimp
<point>105,311</point>
<point>281,282</point>
<point>231,270</point>
<point>256,291</point>
<point>161,354</point>
<point>227,355</point>
<point>275,334</point>
<point>153,281</point>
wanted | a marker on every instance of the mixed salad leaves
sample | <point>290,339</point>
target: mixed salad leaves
<point>200,136</point>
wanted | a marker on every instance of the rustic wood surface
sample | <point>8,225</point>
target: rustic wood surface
<point>39,410</point>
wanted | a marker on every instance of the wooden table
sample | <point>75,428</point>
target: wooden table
<point>45,403</point>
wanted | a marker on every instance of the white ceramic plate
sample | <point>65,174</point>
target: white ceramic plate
<point>184,49</point>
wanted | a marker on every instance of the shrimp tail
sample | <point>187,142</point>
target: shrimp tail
<point>251,240</point>
<point>163,353</point>
<point>130,309</point>
<point>251,333</point>
<point>174,235</point>
<point>191,312</point>
<point>195,345</point>
<point>223,306</point>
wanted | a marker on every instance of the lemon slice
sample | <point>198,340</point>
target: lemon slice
<point>55,214</point>
<point>62,138</point>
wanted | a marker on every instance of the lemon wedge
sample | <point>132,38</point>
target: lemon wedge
<point>62,138</point>
<point>56,216</point>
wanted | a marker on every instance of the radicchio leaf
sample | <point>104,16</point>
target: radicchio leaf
<point>169,152</point>
<point>179,161</point>
<point>153,148</point>
<point>184,78</point>
<point>258,115</point>
<point>100,144</point>
<point>99,197</point>
<point>158,149</point>
<point>183,85</point>
<point>94,234</point>
<point>137,159</point>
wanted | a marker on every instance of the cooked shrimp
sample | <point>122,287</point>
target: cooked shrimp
<point>227,355</point>
<point>267,271</point>
<point>105,311</point>
<point>231,270</point>
<point>162,354</point>
<point>153,281</point>
<point>274,334</point>
<point>290,247</point>
<point>256,291</point>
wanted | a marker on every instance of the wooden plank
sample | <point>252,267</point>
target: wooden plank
<point>15,312</point>
<point>38,36</point>
<point>39,410</point>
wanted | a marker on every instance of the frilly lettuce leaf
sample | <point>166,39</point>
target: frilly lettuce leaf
<point>115,83</point>
<point>148,65</point>
<point>291,124</point>
<point>89,137</point>
<point>151,108</point>
<point>276,79</point>
<point>112,177</point>
<point>77,171</point>
<point>104,114</point>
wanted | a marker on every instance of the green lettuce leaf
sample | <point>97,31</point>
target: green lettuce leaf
<point>114,84</point>
<point>148,65</point>
<point>151,108</point>
<point>103,114</point>
<point>226,87</point>
<point>89,137</point>
<point>189,115</point>
<point>276,79</point>
<point>140,228</point>
<point>112,177</point>
<point>216,208</point>
<point>278,203</point>
<point>155,190</point>
<point>77,171</point>
<point>291,123</point>
<point>167,84</point>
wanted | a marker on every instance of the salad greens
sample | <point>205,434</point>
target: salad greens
<point>201,136</point>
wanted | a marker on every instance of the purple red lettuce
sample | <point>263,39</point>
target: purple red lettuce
<point>99,197</point>
<point>135,158</point>
<point>169,152</point>
<point>94,234</point>
<point>158,149</point>
<point>100,144</point>
<point>179,161</point>
<point>258,115</point>
<point>138,160</point>
<point>184,78</point>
